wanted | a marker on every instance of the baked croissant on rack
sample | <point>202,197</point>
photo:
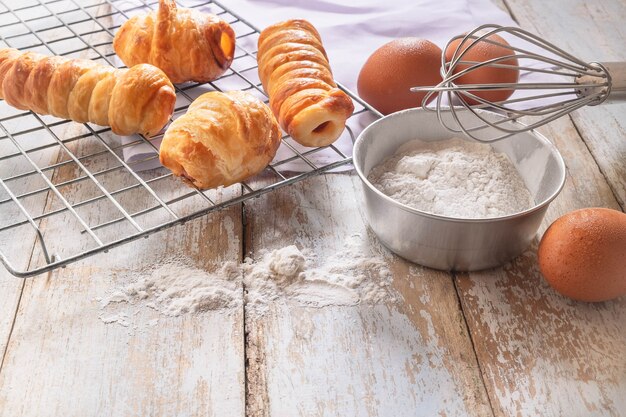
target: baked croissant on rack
<point>223,139</point>
<point>136,100</point>
<point>186,44</point>
<point>296,75</point>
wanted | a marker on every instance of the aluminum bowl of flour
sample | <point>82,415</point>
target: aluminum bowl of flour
<point>452,203</point>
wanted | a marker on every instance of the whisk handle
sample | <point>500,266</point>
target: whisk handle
<point>617,70</point>
<point>613,85</point>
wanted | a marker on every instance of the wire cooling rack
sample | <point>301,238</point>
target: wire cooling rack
<point>66,190</point>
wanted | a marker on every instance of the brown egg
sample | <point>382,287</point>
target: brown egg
<point>582,255</point>
<point>482,51</point>
<point>389,73</point>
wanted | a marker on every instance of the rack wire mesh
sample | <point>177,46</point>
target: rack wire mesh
<point>66,189</point>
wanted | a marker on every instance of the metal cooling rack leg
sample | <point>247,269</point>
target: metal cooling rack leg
<point>31,221</point>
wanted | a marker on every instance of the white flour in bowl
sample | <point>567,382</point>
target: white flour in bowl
<point>455,178</point>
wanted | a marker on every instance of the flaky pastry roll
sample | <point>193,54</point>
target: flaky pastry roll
<point>136,100</point>
<point>223,139</point>
<point>296,75</point>
<point>186,44</point>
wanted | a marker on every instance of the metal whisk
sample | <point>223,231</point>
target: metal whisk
<point>552,83</point>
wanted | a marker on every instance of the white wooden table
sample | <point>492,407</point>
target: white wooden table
<point>494,343</point>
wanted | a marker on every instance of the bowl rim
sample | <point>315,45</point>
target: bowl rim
<point>553,149</point>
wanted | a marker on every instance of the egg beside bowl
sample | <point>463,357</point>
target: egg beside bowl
<point>582,254</point>
<point>387,76</point>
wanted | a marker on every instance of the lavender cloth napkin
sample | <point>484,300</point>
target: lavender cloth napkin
<point>351,31</point>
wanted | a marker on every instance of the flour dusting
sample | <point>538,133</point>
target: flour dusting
<point>345,278</point>
<point>455,177</point>
<point>349,277</point>
<point>172,289</point>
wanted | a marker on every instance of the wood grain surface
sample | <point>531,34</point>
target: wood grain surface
<point>146,364</point>
<point>591,31</point>
<point>68,356</point>
<point>22,248</point>
<point>492,343</point>
<point>543,354</point>
<point>414,357</point>
<point>19,250</point>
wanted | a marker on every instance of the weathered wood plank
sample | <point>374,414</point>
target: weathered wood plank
<point>409,359</point>
<point>542,354</point>
<point>390,360</point>
<point>592,31</point>
<point>188,365</point>
<point>18,250</point>
<point>150,365</point>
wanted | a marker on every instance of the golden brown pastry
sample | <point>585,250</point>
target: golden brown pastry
<point>136,100</point>
<point>223,138</point>
<point>186,44</point>
<point>296,75</point>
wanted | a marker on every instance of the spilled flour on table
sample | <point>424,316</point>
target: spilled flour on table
<point>172,289</point>
<point>345,278</point>
<point>175,288</point>
<point>348,277</point>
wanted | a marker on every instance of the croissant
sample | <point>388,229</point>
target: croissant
<point>296,75</point>
<point>136,100</point>
<point>186,44</point>
<point>223,139</point>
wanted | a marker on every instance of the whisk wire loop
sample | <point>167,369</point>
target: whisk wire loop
<point>551,84</point>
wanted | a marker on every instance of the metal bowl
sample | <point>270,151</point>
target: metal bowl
<point>450,243</point>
